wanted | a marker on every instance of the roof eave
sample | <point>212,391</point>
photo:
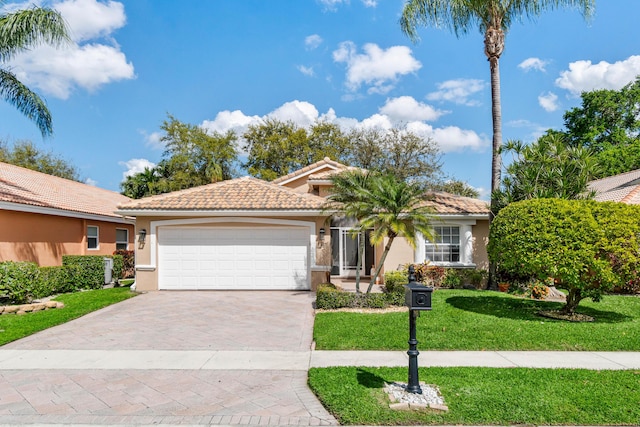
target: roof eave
<point>42,210</point>
<point>228,212</point>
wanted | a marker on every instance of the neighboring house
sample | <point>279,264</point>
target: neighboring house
<point>247,233</point>
<point>43,217</point>
<point>623,188</point>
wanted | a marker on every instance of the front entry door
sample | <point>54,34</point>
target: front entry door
<point>345,251</point>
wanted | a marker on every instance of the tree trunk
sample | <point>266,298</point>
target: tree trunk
<point>573,299</point>
<point>380,263</point>
<point>493,47</point>
<point>359,261</point>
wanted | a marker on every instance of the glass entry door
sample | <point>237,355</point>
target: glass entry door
<point>345,248</point>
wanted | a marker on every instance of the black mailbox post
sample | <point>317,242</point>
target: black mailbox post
<point>417,298</point>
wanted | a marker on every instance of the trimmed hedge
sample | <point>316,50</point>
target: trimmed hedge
<point>20,282</point>
<point>90,270</point>
<point>327,297</point>
<point>128,264</point>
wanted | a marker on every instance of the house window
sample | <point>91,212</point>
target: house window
<point>446,247</point>
<point>122,239</point>
<point>92,237</point>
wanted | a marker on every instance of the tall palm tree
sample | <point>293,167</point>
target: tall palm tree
<point>19,31</point>
<point>349,198</point>
<point>493,18</point>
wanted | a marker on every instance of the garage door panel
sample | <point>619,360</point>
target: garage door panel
<point>233,258</point>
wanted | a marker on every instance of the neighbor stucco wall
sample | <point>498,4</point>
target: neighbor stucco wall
<point>44,239</point>
<point>401,253</point>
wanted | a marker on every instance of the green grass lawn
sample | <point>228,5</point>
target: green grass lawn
<point>486,320</point>
<point>516,396</point>
<point>13,327</point>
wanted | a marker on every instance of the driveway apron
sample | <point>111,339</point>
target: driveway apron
<point>223,357</point>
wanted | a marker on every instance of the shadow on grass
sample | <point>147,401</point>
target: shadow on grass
<point>369,380</point>
<point>525,309</point>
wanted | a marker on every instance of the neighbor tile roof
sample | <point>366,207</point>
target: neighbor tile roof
<point>624,188</point>
<point>300,172</point>
<point>236,194</point>
<point>446,203</point>
<point>27,187</point>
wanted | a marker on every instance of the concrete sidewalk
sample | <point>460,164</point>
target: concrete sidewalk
<point>302,360</point>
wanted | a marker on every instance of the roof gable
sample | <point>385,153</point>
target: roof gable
<point>21,186</point>
<point>246,194</point>
<point>325,166</point>
<point>451,204</point>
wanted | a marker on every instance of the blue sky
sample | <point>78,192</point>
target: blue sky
<point>224,64</point>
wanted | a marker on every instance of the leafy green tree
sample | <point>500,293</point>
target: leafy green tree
<point>141,184</point>
<point>192,157</point>
<point>386,207</point>
<point>25,154</point>
<point>276,148</point>
<point>493,18</point>
<point>20,31</point>
<point>608,122</point>
<point>398,152</point>
<point>548,168</point>
<point>587,247</point>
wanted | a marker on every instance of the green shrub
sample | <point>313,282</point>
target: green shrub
<point>587,247</point>
<point>451,279</point>
<point>330,298</point>
<point>118,267</point>
<point>20,282</point>
<point>59,279</point>
<point>475,277</point>
<point>393,280</point>
<point>128,264</point>
<point>90,272</point>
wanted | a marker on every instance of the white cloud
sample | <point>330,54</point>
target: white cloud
<point>406,109</point>
<point>370,3</point>
<point>153,139</point>
<point>227,120</point>
<point>312,42</point>
<point>377,68</point>
<point>307,71</point>
<point>458,91</point>
<point>91,182</point>
<point>300,112</point>
<point>135,166</point>
<point>584,76</point>
<point>548,101</point>
<point>331,5</point>
<point>89,19</point>
<point>450,138</point>
<point>79,64</point>
<point>533,64</point>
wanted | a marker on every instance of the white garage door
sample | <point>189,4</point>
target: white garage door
<point>233,258</point>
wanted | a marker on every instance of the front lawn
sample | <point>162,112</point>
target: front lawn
<point>13,327</point>
<point>486,320</point>
<point>481,396</point>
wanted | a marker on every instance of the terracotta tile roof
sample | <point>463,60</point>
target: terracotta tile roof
<point>446,203</point>
<point>324,162</point>
<point>624,188</point>
<point>27,187</point>
<point>236,194</point>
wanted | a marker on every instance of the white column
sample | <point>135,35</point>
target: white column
<point>466,244</point>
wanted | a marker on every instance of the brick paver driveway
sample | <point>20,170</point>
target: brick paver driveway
<point>201,325</point>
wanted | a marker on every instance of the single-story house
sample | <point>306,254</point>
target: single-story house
<point>43,217</point>
<point>623,188</point>
<point>247,233</point>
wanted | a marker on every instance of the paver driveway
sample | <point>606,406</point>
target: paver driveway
<point>183,327</point>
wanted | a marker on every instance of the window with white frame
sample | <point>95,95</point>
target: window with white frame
<point>446,247</point>
<point>92,237</point>
<point>122,239</point>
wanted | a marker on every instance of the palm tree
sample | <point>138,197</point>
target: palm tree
<point>349,198</point>
<point>493,18</point>
<point>385,206</point>
<point>19,31</point>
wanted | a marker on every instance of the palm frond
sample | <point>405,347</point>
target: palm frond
<point>27,102</point>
